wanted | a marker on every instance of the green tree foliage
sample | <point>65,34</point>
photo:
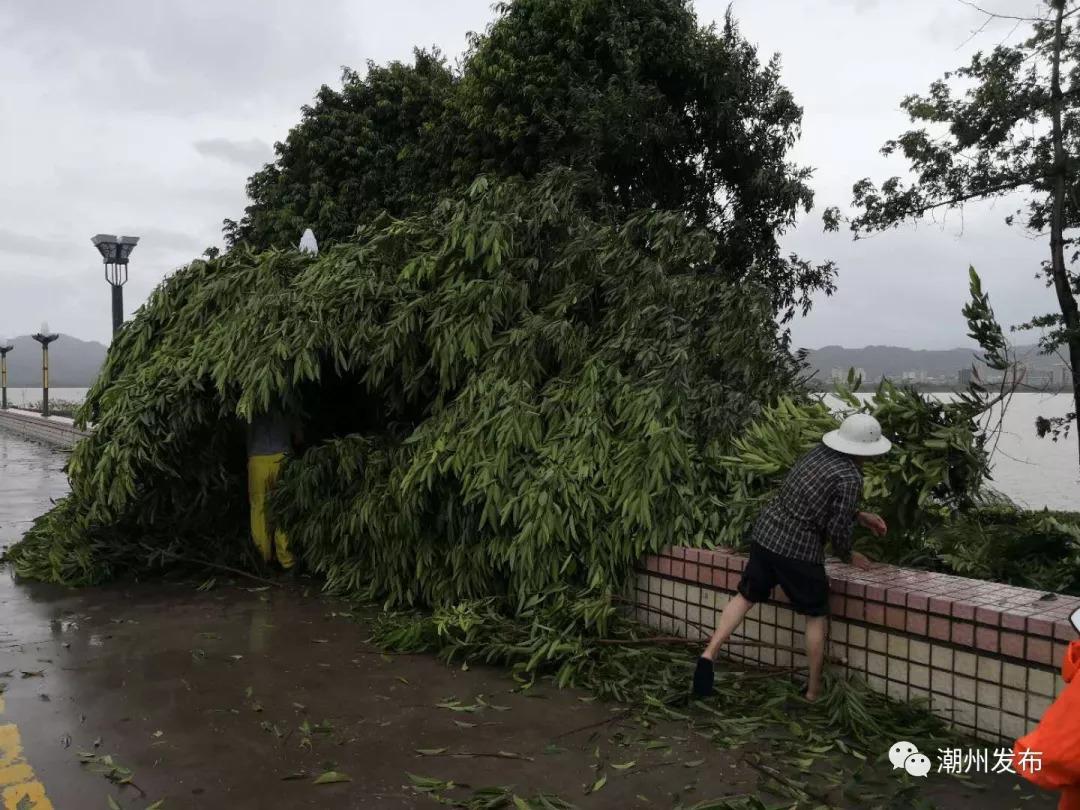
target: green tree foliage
<point>378,144</point>
<point>664,113</point>
<point>935,470</point>
<point>1004,124</point>
<point>535,394</point>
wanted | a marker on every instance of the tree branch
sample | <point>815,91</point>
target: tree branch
<point>996,16</point>
<point>1012,185</point>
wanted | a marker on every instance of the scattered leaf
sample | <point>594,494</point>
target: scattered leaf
<point>332,777</point>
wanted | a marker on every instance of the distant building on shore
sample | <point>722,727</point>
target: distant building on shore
<point>840,375</point>
<point>1040,379</point>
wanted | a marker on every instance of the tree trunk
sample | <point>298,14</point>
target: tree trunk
<point>1069,312</point>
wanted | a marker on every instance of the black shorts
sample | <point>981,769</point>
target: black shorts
<point>805,583</point>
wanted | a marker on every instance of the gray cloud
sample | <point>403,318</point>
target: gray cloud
<point>165,240</point>
<point>26,244</point>
<point>250,154</point>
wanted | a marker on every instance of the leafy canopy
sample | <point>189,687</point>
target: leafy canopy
<point>534,394</point>
<point>665,114</point>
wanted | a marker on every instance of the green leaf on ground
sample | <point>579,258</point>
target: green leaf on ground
<point>332,777</point>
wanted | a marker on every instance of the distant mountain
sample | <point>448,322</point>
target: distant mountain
<point>893,361</point>
<point>73,363</point>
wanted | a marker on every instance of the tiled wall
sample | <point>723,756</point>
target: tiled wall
<point>57,431</point>
<point>985,656</point>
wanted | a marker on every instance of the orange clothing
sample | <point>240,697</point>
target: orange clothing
<point>1057,739</point>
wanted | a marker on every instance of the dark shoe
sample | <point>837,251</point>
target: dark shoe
<point>703,678</point>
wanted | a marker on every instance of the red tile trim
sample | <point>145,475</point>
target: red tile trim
<point>939,628</point>
<point>1040,651</point>
<point>916,623</point>
<point>986,639</point>
<point>939,605</point>
<point>895,617</point>
<point>1012,645</point>
<point>962,610</point>
<point>963,634</point>
<point>1018,623</point>
<point>1040,627</point>
<point>1012,621</point>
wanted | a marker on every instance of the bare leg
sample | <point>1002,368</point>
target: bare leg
<point>730,619</point>
<point>815,653</point>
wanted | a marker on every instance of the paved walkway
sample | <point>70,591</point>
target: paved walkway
<point>214,699</point>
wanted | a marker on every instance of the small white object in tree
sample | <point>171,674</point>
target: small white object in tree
<point>44,327</point>
<point>308,243</point>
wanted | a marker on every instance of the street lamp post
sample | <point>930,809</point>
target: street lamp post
<point>45,337</point>
<point>5,346</point>
<point>115,251</point>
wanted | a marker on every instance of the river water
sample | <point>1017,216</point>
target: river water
<point>1032,471</point>
<point>21,397</point>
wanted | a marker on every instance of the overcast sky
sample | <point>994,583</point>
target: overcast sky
<point>128,117</point>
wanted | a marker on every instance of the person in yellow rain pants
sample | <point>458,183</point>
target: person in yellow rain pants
<point>270,437</point>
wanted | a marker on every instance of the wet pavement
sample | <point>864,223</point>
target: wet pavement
<point>214,699</point>
<point>31,475</point>
<point>241,695</point>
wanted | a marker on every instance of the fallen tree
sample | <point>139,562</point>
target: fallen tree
<point>508,392</point>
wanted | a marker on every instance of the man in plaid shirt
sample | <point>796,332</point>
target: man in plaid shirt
<point>817,503</point>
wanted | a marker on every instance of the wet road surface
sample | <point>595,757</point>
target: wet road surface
<point>30,475</point>
<point>241,695</point>
<point>212,699</point>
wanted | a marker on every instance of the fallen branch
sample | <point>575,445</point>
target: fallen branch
<point>791,785</point>
<point>207,564</point>
<point>619,715</point>
<point>480,755</point>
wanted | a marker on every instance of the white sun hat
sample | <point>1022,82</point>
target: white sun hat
<point>858,435</point>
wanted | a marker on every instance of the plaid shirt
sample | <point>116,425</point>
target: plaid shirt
<point>817,502</point>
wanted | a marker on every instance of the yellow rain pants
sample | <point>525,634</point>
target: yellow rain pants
<point>262,473</point>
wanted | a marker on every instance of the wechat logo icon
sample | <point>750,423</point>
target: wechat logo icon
<point>905,755</point>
